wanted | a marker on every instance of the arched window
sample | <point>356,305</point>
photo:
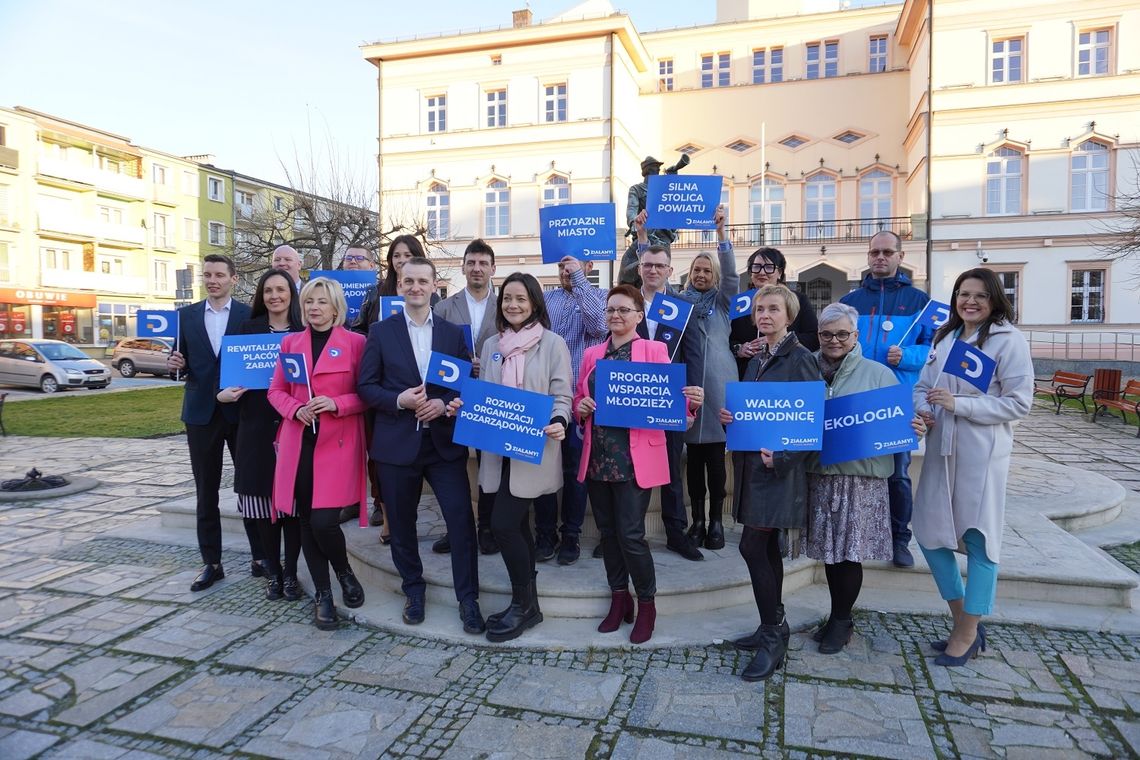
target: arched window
<point>497,209</point>
<point>438,212</point>
<point>875,191</point>
<point>819,206</point>
<point>1004,170</point>
<point>556,191</point>
<point>767,211</point>
<point>1089,180</point>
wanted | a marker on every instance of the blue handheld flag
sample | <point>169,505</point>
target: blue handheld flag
<point>970,364</point>
<point>390,305</point>
<point>295,368</point>
<point>468,338</point>
<point>447,371</point>
<point>742,303</point>
<point>157,324</point>
<point>670,311</point>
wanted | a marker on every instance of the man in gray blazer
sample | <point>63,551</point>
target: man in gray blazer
<point>474,306</point>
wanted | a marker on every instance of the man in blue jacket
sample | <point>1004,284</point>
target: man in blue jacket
<point>888,304</point>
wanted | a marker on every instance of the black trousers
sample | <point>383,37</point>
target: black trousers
<point>270,534</point>
<point>321,538</point>
<point>673,493</point>
<point>619,510</point>
<point>510,522</point>
<point>706,458</point>
<point>206,444</point>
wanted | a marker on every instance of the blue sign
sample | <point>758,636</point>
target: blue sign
<point>296,368</point>
<point>775,416</point>
<point>502,420</point>
<point>868,424</point>
<point>670,311</point>
<point>970,364</point>
<point>389,306</point>
<point>248,361</point>
<point>683,203</point>
<point>640,395</point>
<point>447,371</point>
<point>156,324</point>
<point>355,284</point>
<point>742,303</point>
<point>586,231</point>
<point>468,338</point>
<point>934,314</point>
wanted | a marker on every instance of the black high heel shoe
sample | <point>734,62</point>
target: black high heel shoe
<point>940,645</point>
<point>957,662</point>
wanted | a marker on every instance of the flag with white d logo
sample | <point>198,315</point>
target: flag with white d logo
<point>447,371</point>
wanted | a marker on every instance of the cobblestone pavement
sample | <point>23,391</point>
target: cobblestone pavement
<point>104,653</point>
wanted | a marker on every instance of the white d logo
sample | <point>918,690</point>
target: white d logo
<point>449,371</point>
<point>292,367</point>
<point>941,315</point>
<point>669,310</point>
<point>156,322</point>
<point>976,371</point>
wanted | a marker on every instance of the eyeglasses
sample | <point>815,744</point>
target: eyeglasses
<point>962,295</point>
<point>653,265</point>
<point>765,268</point>
<point>624,311</point>
<point>355,257</point>
<point>885,253</point>
<point>840,337</point>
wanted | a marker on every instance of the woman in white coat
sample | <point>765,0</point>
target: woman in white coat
<point>960,501</point>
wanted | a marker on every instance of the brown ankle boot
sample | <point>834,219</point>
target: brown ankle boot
<point>621,608</point>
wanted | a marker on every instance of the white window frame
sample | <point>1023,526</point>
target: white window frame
<point>555,103</point>
<point>556,191</point>
<point>190,184</point>
<point>161,276</point>
<point>158,174</point>
<point>163,235</point>
<point>825,63</point>
<point>496,104</point>
<point>1003,183</point>
<point>767,65</point>
<point>114,266</point>
<point>435,113</point>
<point>876,199</point>
<point>215,188</point>
<point>191,229</point>
<point>1087,165</point>
<point>218,239</point>
<point>1089,50</point>
<point>1002,60</point>
<point>110,214</point>
<point>665,75</point>
<point>5,262</point>
<point>877,53</point>
<point>497,209</point>
<point>773,209</point>
<point>724,69</point>
<point>1085,289</point>
<point>438,212</point>
<point>821,204</point>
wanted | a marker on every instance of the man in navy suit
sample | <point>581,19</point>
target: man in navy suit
<point>210,426</point>
<point>411,439</point>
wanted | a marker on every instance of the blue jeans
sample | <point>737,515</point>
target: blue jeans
<point>981,574</point>
<point>573,495</point>
<point>902,499</point>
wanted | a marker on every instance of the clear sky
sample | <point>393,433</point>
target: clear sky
<point>246,81</point>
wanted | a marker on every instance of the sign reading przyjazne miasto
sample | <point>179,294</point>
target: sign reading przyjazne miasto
<point>868,424</point>
<point>586,231</point>
<point>502,420</point>
<point>682,203</point>
<point>775,416</point>
<point>640,395</point>
<point>355,284</point>
<point>248,361</point>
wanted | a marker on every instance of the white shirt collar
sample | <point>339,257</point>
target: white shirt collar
<point>229,301</point>
<point>412,323</point>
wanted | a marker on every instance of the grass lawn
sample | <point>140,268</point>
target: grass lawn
<point>131,414</point>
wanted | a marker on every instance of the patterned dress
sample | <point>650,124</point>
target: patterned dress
<point>610,458</point>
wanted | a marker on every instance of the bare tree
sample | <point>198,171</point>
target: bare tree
<point>1119,237</point>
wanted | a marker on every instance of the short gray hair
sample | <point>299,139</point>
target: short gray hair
<point>834,312</point>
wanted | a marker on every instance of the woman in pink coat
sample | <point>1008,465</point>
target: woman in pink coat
<point>621,467</point>
<point>322,430</point>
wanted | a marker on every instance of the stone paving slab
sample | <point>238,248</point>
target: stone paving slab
<point>336,724</point>
<point>98,686</point>
<point>208,709</point>
<point>704,704</point>
<point>396,665</point>
<point>175,588</point>
<point>870,657</point>
<point>1008,674</point>
<point>578,693</point>
<point>28,608</point>
<point>105,580</point>
<point>1130,730</point>
<point>98,623</point>
<point>1112,684</point>
<point>89,749</point>
<point>630,747</point>
<point>295,648</point>
<point>847,720</point>
<point>507,739</point>
<point>999,729</point>
<point>15,654</point>
<point>30,573</point>
<point>193,635</point>
<point>18,744</point>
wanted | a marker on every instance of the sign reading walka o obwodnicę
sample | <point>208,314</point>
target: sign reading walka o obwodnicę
<point>640,395</point>
<point>872,423</point>
<point>502,420</point>
<point>775,416</point>
<point>682,203</point>
<point>248,361</point>
<point>586,231</point>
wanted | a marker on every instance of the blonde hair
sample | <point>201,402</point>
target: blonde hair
<point>714,264</point>
<point>335,294</point>
<point>791,302</point>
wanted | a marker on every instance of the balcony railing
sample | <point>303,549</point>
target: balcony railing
<point>798,233</point>
<point>1084,346</point>
<point>70,224</point>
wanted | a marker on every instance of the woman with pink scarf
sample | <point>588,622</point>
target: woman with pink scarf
<point>527,355</point>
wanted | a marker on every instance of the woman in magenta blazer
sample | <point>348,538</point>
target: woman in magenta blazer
<point>322,431</point>
<point>621,467</point>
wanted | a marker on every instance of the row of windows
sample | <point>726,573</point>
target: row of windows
<point>553,108</point>
<point>1094,56</point>
<point>821,62</point>
<point>1006,170</point>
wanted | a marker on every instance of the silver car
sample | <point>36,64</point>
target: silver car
<point>49,365</point>
<point>136,355</point>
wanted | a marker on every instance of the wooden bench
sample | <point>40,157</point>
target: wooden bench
<point>1126,400</point>
<point>1062,386</point>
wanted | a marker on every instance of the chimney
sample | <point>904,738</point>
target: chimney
<point>522,18</point>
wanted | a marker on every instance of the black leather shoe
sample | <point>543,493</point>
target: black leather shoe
<point>522,615</point>
<point>324,613</point>
<point>273,589</point>
<point>376,519</point>
<point>902,556</point>
<point>442,545</point>
<point>414,610</point>
<point>836,636</point>
<point>471,617</point>
<point>697,532</point>
<point>544,548</point>
<point>258,569</point>
<point>683,545</point>
<point>291,588</point>
<point>208,577</point>
<point>351,590</point>
<point>349,513</point>
<point>752,641</point>
<point>715,538</point>
<point>769,655</point>
<point>569,551</point>
<point>487,542</point>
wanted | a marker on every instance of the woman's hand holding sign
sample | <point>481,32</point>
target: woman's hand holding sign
<point>586,407</point>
